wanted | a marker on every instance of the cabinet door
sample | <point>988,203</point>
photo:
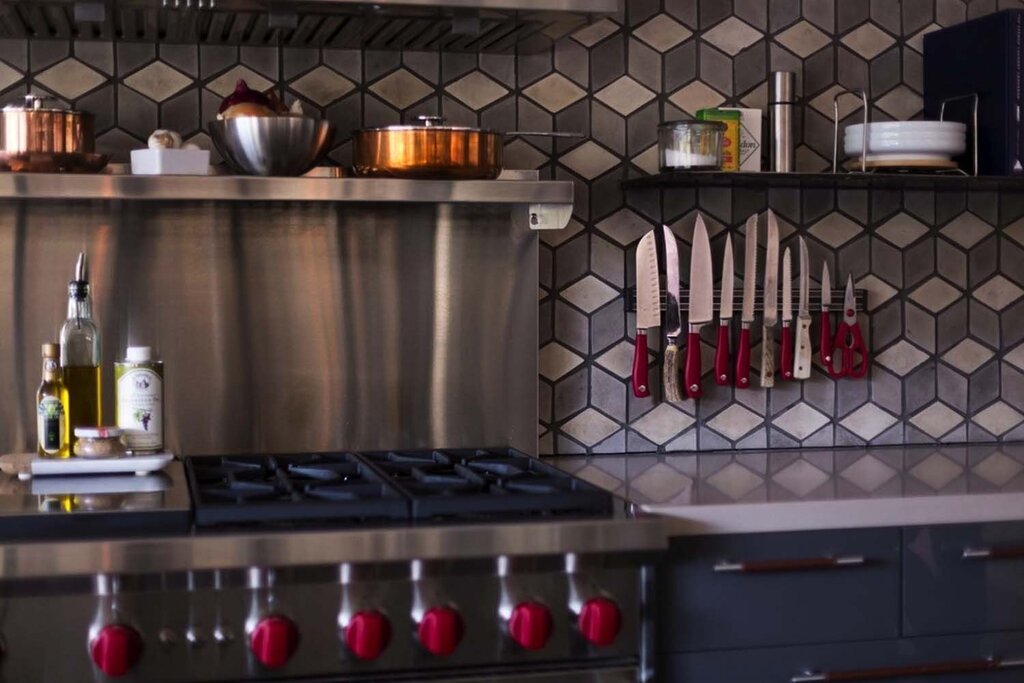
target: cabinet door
<point>952,659</point>
<point>763,590</point>
<point>963,578</point>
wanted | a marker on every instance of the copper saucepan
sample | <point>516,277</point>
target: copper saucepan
<point>432,150</point>
<point>43,139</point>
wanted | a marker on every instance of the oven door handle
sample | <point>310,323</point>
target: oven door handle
<point>887,673</point>
<point>805,564</point>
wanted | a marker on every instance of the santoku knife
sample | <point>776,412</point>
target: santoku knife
<point>724,317</point>
<point>786,355</point>
<point>771,302</point>
<point>802,364</point>
<point>648,309</point>
<point>747,313</point>
<point>673,322</point>
<point>701,308</point>
<point>825,341</point>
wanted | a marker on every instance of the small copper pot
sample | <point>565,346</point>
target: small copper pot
<point>35,128</point>
<point>432,151</point>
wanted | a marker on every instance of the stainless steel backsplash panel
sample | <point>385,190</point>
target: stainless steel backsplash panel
<point>288,326</point>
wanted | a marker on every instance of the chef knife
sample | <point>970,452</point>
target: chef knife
<point>701,308</point>
<point>802,365</point>
<point>771,302</point>
<point>786,356</point>
<point>648,309</point>
<point>673,322</point>
<point>724,317</point>
<point>747,313</point>
<point>825,341</point>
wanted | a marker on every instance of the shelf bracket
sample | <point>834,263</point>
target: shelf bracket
<point>549,216</point>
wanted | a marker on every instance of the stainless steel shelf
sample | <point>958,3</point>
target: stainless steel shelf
<point>249,189</point>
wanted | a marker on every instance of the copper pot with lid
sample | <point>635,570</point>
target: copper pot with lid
<point>42,139</point>
<point>432,150</point>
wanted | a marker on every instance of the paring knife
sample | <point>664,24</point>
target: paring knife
<point>724,317</point>
<point>673,326</point>
<point>702,304</point>
<point>771,302</point>
<point>786,356</point>
<point>747,313</point>
<point>648,309</point>
<point>802,365</point>
<point>825,342</point>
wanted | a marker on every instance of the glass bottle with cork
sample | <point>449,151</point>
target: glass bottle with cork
<point>80,354</point>
<point>54,437</point>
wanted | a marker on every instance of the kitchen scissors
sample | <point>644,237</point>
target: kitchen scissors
<point>849,341</point>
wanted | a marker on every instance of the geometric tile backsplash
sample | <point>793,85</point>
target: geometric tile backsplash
<point>944,271</point>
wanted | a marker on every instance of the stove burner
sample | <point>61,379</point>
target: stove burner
<point>465,484</point>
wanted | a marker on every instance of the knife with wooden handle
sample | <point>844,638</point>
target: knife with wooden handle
<point>648,309</point>
<point>701,308</point>
<point>747,312</point>
<point>724,317</point>
<point>771,302</point>
<point>802,364</point>
<point>786,355</point>
<point>673,321</point>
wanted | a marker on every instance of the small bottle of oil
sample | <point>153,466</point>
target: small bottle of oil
<point>52,407</point>
<point>139,395</point>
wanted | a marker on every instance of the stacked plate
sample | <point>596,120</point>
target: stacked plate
<point>907,144</point>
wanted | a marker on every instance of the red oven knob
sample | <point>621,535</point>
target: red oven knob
<point>440,630</point>
<point>273,641</point>
<point>367,634</point>
<point>530,625</point>
<point>600,621</point>
<point>115,649</point>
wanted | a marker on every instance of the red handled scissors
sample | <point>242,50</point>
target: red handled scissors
<point>849,341</point>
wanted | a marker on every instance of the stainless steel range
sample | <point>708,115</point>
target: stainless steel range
<point>435,565</point>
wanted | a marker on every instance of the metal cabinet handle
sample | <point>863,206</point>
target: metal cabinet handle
<point>765,566</point>
<point>1006,553</point>
<point>884,673</point>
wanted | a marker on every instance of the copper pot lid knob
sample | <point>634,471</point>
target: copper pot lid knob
<point>429,121</point>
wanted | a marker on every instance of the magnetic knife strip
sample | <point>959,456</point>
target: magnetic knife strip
<point>814,304</point>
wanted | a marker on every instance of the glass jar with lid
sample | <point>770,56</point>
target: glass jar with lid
<point>690,145</point>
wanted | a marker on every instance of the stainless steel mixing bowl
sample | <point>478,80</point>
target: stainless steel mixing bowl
<point>272,145</point>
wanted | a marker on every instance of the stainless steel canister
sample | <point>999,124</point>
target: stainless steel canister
<point>781,99</point>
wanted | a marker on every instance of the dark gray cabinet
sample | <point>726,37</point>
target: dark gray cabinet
<point>913,660</point>
<point>762,590</point>
<point>963,579</point>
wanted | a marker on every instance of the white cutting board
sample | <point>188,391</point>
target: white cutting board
<point>27,466</point>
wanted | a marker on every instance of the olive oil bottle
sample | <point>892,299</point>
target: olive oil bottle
<point>80,354</point>
<point>52,408</point>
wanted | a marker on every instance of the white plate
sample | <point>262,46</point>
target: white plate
<point>130,464</point>
<point>910,127</point>
<point>907,146</point>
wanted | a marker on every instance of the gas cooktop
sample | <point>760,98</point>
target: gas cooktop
<point>386,486</point>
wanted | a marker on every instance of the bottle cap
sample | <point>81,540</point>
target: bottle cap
<point>51,350</point>
<point>98,432</point>
<point>782,87</point>
<point>138,354</point>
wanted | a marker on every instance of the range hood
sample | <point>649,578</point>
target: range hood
<point>449,25</point>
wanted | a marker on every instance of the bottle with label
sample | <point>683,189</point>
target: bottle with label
<point>139,390</point>
<point>80,354</point>
<point>52,408</point>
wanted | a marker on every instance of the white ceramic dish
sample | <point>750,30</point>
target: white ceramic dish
<point>131,464</point>
<point>904,147</point>
<point>909,127</point>
<point>171,161</point>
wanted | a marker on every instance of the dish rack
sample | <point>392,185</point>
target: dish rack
<point>865,109</point>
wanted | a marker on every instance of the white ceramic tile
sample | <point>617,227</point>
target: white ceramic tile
<point>901,230</point>
<point>901,357</point>
<point>868,421</point>
<point>618,360</point>
<point>625,226</point>
<point>968,356</point>
<point>735,422</point>
<point>696,96</point>
<point>998,418</point>
<point>477,90</point>
<point>967,230</point>
<point>402,89</point>
<point>648,160</point>
<point>824,103</point>
<point>662,424</point>
<point>1015,357</point>
<point>662,32</point>
<point>879,291</point>
<point>901,103</point>
<point>323,86</point>
<point>868,41</point>
<point>936,294</point>
<point>556,360</point>
<point>835,230</point>
<point>70,78</point>
<point>555,92</point>
<point>998,293</point>
<point>800,421</point>
<point>732,36</point>
<point>589,294</point>
<point>591,35</point>
<point>590,427</point>
<point>937,420</point>
<point>589,160</point>
<point>625,95</point>
<point>158,81</point>
<point>804,39</point>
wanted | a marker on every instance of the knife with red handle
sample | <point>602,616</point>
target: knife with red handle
<point>724,317</point>
<point>648,310</point>
<point>742,378</point>
<point>786,354</point>
<point>825,341</point>
<point>701,308</point>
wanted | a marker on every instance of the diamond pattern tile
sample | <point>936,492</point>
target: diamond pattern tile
<point>879,291</point>
<point>732,36</point>
<point>868,40</point>
<point>224,84</point>
<point>590,160</point>
<point>937,471</point>
<point>998,418</point>
<point>555,92</point>
<point>935,294</point>
<point>625,95</point>
<point>322,85</point>
<point>402,89</point>
<point>835,230</point>
<point>901,357</point>
<point>71,78</point>
<point>800,421</point>
<point>556,361</point>
<point>967,230</point>
<point>998,469</point>
<point>868,421</point>
<point>998,293</point>
<point>593,34</point>
<point>937,420</point>
<point>735,481</point>
<point>158,81</point>
<point>477,90</point>
<point>804,39</point>
<point>868,473</point>
<point>662,424</point>
<point>660,483</point>
<point>801,478</point>
<point>618,360</point>
<point>968,356</point>
<point>735,422</point>
<point>902,230</point>
<point>589,294</point>
<point>662,32</point>
<point>590,427</point>
<point>696,96</point>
